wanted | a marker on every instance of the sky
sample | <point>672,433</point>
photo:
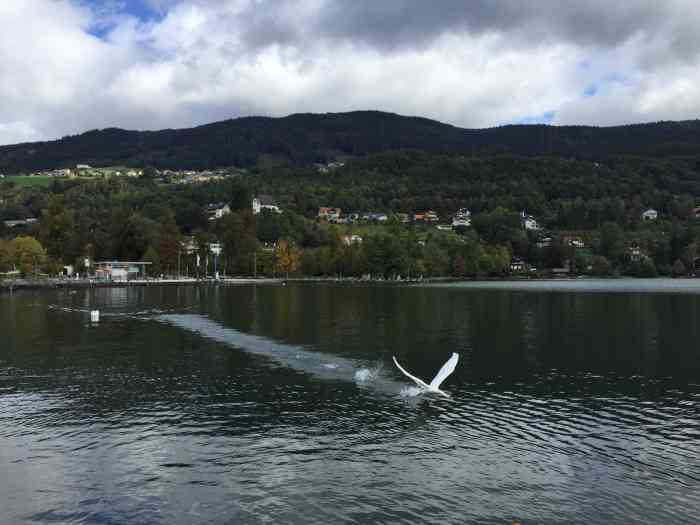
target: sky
<point>68,66</point>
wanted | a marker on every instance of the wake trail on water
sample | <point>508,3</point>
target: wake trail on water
<point>318,364</point>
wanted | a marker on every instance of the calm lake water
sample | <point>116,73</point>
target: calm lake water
<point>573,402</point>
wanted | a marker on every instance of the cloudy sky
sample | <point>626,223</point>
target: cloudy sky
<point>67,66</point>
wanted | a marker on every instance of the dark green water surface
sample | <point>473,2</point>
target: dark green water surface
<point>573,402</point>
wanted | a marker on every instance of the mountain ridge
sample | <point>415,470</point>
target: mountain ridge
<point>302,139</point>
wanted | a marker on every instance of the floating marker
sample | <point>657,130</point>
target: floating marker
<point>95,316</point>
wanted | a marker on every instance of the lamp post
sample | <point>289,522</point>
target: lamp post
<point>215,249</point>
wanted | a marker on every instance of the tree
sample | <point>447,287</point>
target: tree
<point>500,258</point>
<point>129,235</point>
<point>149,173</point>
<point>265,261</point>
<point>287,257</point>
<point>437,261</point>
<point>168,244</point>
<point>239,240</point>
<point>57,230</point>
<point>690,254</point>
<point>648,268</point>
<point>386,256</point>
<point>6,256</point>
<point>500,226</point>
<point>612,242</point>
<point>28,255</point>
<point>240,196</point>
<point>642,268</point>
<point>203,240</point>
<point>309,262</point>
<point>152,257</point>
<point>678,269</point>
<point>600,266</point>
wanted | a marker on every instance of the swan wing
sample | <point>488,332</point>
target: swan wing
<point>419,382</point>
<point>445,371</point>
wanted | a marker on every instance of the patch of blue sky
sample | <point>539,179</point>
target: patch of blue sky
<point>543,118</point>
<point>108,10</point>
<point>617,78</point>
<point>590,91</point>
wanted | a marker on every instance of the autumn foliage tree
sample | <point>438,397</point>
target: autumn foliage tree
<point>287,257</point>
<point>28,255</point>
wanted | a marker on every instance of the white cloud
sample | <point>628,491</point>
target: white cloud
<point>207,60</point>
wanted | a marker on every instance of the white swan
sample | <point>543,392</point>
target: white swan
<point>434,385</point>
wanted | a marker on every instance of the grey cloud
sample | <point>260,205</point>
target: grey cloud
<point>393,25</point>
<point>206,60</point>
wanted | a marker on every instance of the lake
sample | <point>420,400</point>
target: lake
<point>573,402</point>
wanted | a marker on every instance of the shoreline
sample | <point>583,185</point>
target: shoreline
<point>11,286</point>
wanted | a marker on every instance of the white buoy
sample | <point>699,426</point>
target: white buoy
<point>95,316</point>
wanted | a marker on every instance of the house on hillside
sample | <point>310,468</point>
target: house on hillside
<point>544,242</point>
<point>20,222</point>
<point>377,217</point>
<point>329,214</point>
<point>573,241</point>
<point>650,215</point>
<point>217,211</point>
<point>426,216</point>
<point>265,202</point>
<point>635,253</point>
<point>352,239</point>
<point>463,218</point>
<point>327,168</point>
<point>529,222</point>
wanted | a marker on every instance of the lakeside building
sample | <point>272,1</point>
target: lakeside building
<point>517,265</point>
<point>121,270</point>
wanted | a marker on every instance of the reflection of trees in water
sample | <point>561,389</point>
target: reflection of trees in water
<point>501,335</point>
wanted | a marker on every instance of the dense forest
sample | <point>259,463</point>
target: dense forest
<point>589,212</point>
<point>303,139</point>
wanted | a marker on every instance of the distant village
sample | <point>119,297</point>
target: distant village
<point>353,224</point>
<point>457,222</point>
<point>85,171</point>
